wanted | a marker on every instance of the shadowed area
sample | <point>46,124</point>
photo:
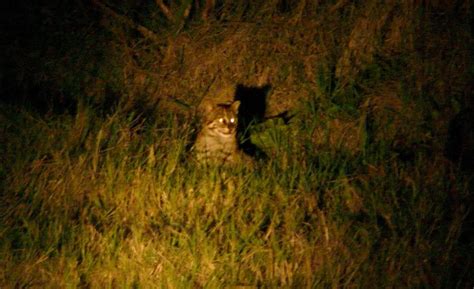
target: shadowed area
<point>361,111</point>
<point>251,112</point>
<point>460,142</point>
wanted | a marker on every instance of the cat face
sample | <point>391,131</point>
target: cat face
<point>221,119</point>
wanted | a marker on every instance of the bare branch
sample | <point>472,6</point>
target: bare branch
<point>147,33</point>
<point>166,10</point>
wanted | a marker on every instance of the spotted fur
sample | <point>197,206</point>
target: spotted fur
<point>217,139</point>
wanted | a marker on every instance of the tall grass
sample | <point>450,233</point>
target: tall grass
<point>99,188</point>
<point>112,201</point>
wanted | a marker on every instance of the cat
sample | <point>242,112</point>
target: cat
<point>217,142</point>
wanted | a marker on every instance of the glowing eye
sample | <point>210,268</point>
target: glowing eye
<point>232,120</point>
<point>221,120</point>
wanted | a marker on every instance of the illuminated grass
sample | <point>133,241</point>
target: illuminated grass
<point>113,202</point>
<point>99,190</point>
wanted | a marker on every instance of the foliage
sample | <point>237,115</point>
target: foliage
<point>99,189</point>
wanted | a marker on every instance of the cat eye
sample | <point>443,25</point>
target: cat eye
<point>221,120</point>
<point>232,120</point>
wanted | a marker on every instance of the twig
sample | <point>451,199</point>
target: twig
<point>147,33</point>
<point>166,11</point>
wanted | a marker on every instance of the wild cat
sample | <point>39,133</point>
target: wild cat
<point>217,142</point>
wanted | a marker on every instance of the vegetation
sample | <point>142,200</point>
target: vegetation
<point>359,190</point>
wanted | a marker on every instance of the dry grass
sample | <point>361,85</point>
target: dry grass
<point>356,191</point>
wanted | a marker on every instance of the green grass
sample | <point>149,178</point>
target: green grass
<point>117,202</point>
<point>98,188</point>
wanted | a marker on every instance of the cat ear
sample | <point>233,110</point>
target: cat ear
<point>235,106</point>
